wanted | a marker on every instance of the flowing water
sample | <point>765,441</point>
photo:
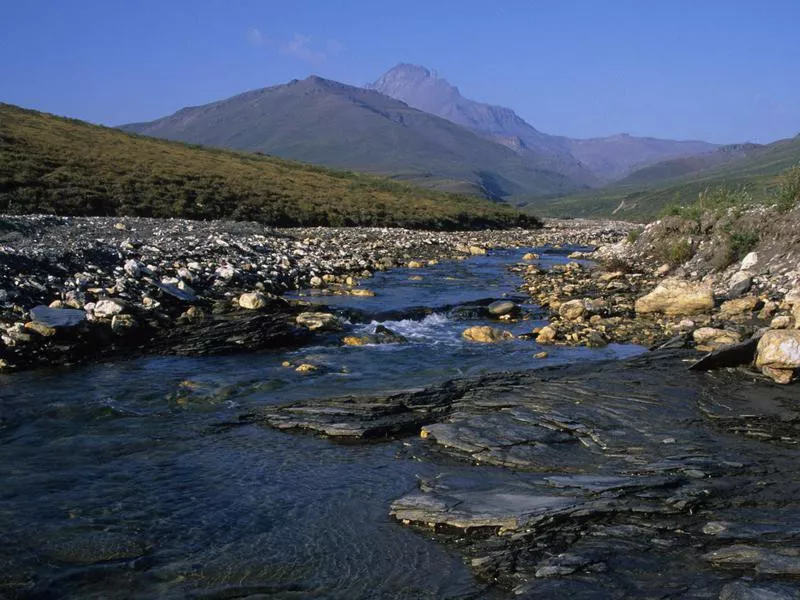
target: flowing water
<point>122,478</point>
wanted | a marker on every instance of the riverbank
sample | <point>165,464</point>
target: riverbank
<point>134,285</point>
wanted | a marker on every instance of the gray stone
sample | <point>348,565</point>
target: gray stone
<point>57,317</point>
<point>499,308</point>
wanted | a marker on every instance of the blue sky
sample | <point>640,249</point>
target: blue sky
<point>723,71</point>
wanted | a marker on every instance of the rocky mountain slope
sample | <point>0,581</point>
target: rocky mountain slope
<point>61,166</point>
<point>325,122</point>
<point>606,158</point>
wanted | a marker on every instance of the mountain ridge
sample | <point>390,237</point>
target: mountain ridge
<point>331,123</point>
<point>607,158</point>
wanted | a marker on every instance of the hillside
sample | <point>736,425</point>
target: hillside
<point>591,161</point>
<point>325,122</point>
<point>63,166</point>
<point>644,196</point>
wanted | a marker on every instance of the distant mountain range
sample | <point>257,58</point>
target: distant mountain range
<point>413,125</point>
<point>607,158</point>
<point>329,123</point>
<point>645,193</point>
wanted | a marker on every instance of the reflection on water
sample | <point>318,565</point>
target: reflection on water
<point>123,479</point>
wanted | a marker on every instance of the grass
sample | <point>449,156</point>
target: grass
<point>761,174</point>
<point>63,166</point>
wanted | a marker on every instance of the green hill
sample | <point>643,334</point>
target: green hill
<point>67,167</point>
<point>329,123</point>
<point>643,195</point>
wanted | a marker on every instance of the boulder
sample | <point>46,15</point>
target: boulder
<point>530,256</point>
<point>415,264</point>
<point>572,310</point>
<point>318,321</point>
<point>501,307</point>
<point>57,317</point>
<point>782,322</point>
<point>547,335</point>
<point>477,250</point>
<point>778,354</point>
<point>486,334</point>
<point>749,261</point>
<point>253,300</point>
<point>677,297</point>
<point>709,338</point>
<point>739,306</point>
<point>108,307</point>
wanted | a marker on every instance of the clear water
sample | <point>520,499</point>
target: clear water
<point>137,454</point>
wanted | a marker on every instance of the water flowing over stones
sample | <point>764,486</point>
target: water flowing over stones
<point>580,475</point>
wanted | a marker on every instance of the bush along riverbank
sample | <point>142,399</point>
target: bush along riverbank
<point>78,288</point>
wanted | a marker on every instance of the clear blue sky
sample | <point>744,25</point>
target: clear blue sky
<point>719,70</point>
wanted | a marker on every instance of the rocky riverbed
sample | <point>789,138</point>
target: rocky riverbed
<point>659,476</point>
<point>78,288</point>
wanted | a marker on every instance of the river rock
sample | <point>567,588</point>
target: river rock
<point>530,256</point>
<point>40,328</point>
<point>486,334</point>
<point>677,297</point>
<point>778,354</point>
<point>477,250</point>
<point>121,324</point>
<point>499,308</point>
<point>57,317</point>
<point>547,335</point>
<point>749,261</point>
<point>738,306</point>
<point>109,307</point>
<point>415,264</point>
<point>782,322</point>
<point>361,292</point>
<point>318,321</point>
<point>775,560</point>
<point>253,300</point>
<point>572,310</point>
<point>709,338</point>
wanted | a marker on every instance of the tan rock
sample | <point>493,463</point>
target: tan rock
<point>606,277</point>
<point>663,270</point>
<point>40,328</point>
<point>572,310</point>
<point>530,256</point>
<point>769,309</point>
<point>739,306</point>
<point>782,322</point>
<point>709,338</point>
<point>253,300</point>
<point>415,264</point>
<point>361,292</point>
<point>354,340</point>
<point>547,335</point>
<point>432,262</point>
<point>416,278</point>
<point>778,354</point>
<point>109,307</point>
<point>306,368</point>
<point>486,334</point>
<point>796,314</point>
<point>540,355</point>
<point>318,321</point>
<point>477,250</point>
<point>677,297</point>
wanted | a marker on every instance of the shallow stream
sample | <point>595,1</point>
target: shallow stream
<point>124,479</point>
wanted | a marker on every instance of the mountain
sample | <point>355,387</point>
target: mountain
<point>329,123</point>
<point>686,165</point>
<point>645,193</point>
<point>62,166</point>
<point>607,158</point>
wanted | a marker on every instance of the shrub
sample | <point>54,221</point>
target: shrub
<point>634,234</point>
<point>789,189</point>
<point>677,252</point>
